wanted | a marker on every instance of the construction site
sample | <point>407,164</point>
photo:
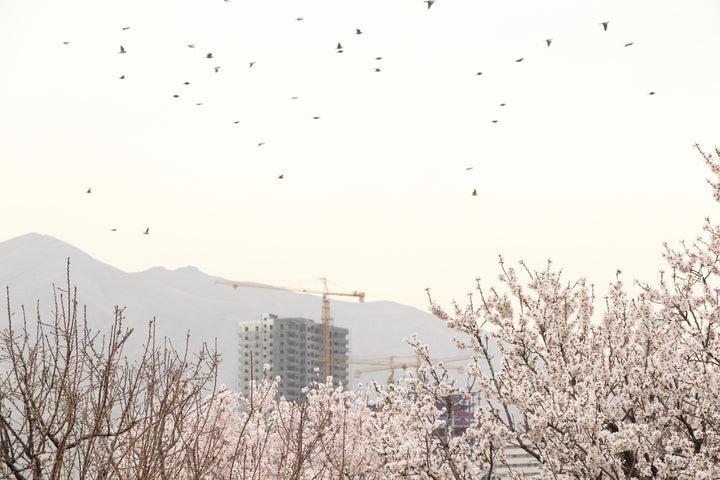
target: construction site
<point>301,351</point>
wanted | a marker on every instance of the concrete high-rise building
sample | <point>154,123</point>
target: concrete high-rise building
<point>292,348</point>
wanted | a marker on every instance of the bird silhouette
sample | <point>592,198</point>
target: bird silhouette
<point>494,121</point>
<point>176,96</point>
<point>339,46</point>
<point>198,104</point>
<point>125,28</point>
<point>378,58</point>
<point>295,97</point>
<point>186,83</point>
<point>548,41</point>
<point>479,73</point>
<point>236,121</point>
<point>281,176</point>
<point>429,3</point>
<point>629,43</point>
<point>251,64</point>
<point>209,55</point>
<point>469,168</point>
<point>217,69</point>
<point>358,31</point>
<point>121,77</point>
<point>261,144</point>
<point>113,229</point>
<point>66,43</point>
<point>89,190</point>
<point>502,104</point>
<point>147,231</point>
<point>474,193</point>
<point>315,118</point>
<point>520,59</point>
<point>605,25</point>
<point>377,69</point>
<point>191,45</point>
<point>651,93</point>
<point>299,19</point>
<point>122,49</point>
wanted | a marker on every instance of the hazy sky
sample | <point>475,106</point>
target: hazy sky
<point>583,166</point>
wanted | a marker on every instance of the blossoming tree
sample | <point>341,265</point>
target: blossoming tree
<point>627,391</point>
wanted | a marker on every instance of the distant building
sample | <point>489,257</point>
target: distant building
<point>519,461</point>
<point>462,415</point>
<point>292,348</point>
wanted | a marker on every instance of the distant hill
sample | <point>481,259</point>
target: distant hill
<point>187,299</point>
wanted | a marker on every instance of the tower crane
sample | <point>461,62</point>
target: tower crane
<point>391,363</point>
<point>328,358</point>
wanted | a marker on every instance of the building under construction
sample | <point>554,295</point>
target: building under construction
<point>293,350</point>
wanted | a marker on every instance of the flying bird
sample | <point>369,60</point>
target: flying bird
<point>191,45</point>
<point>113,229</point>
<point>520,59</point>
<point>377,69</point>
<point>89,190</point>
<point>629,43</point>
<point>209,55</point>
<point>429,3</point>
<point>125,28</point>
<point>604,24</point>
<point>198,104</point>
<point>315,118</point>
<point>147,231</point>
<point>236,121</point>
<point>358,31</point>
<point>66,43</point>
<point>378,58</point>
<point>474,193</point>
<point>122,49</point>
<point>295,97</point>
<point>479,73</point>
<point>251,64</point>
<point>469,168</point>
<point>261,144</point>
<point>299,19</point>
<point>651,93</point>
<point>217,69</point>
<point>548,41</point>
<point>121,77</point>
<point>281,176</point>
<point>186,83</point>
<point>176,96</point>
<point>494,121</point>
<point>502,104</point>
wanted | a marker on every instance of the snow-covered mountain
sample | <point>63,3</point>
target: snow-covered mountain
<point>188,300</point>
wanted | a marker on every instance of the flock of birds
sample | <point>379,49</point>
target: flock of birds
<point>339,49</point>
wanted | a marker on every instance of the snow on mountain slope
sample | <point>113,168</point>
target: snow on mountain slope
<point>187,300</point>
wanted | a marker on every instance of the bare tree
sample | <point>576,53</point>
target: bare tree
<point>73,405</point>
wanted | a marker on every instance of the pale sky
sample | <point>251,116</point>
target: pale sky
<point>583,166</point>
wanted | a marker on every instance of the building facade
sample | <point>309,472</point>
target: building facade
<point>292,348</point>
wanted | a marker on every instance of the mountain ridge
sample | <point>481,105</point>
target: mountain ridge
<point>188,300</point>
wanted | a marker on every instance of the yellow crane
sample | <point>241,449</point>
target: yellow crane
<point>328,358</point>
<point>392,362</point>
